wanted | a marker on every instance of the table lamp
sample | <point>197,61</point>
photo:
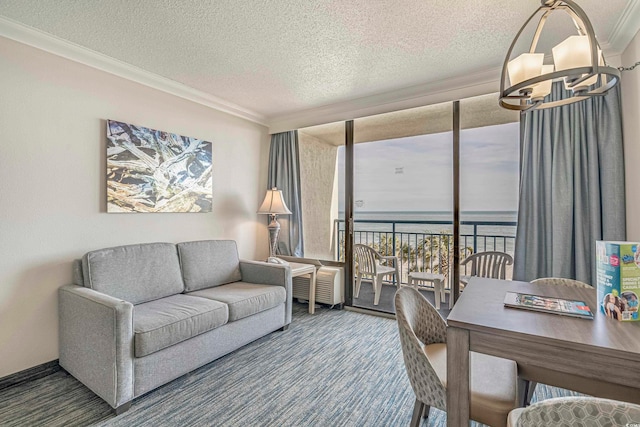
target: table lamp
<point>273,205</point>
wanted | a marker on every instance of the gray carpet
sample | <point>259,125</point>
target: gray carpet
<point>334,368</point>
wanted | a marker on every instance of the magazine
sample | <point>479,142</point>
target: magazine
<point>548,305</point>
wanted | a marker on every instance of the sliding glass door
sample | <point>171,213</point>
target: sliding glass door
<point>402,198</point>
<point>489,178</point>
<point>387,182</point>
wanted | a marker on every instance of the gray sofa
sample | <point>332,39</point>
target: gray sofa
<point>140,316</point>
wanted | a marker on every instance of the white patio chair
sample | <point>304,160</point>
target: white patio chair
<point>369,265</point>
<point>491,264</point>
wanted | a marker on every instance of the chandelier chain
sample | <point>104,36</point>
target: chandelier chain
<point>629,68</point>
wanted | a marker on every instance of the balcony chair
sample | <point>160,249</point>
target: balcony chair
<point>492,265</point>
<point>368,262</point>
<point>423,335</point>
<point>576,411</point>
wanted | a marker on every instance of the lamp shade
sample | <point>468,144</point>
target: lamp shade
<point>525,67</point>
<point>274,203</point>
<point>543,89</point>
<point>575,52</point>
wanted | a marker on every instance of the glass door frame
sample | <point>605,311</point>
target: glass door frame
<point>349,211</point>
<point>349,203</point>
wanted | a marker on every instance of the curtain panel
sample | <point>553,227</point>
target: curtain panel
<point>571,187</point>
<point>284,173</point>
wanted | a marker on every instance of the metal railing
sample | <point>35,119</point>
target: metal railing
<point>427,250</point>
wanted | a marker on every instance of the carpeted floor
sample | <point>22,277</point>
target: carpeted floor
<point>334,368</point>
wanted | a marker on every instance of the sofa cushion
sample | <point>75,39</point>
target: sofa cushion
<point>135,273</point>
<point>245,299</point>
<point>161,323</point>
<point>209,263</point>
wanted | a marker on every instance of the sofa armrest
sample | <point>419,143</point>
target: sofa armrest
<point>269,274</point>
<point>96,342</point>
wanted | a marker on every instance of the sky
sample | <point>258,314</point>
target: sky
<point>415,173</point>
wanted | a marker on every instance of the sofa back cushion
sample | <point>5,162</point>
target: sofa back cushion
<point>209,263</point>
<point>134,273</point>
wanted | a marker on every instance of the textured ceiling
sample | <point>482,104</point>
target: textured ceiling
<point>279,57</point>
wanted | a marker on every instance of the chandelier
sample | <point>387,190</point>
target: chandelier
<point>578,61</point>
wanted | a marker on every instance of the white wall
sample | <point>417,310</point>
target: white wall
<point>317,182</point>
<point>52,185</point>
<point>631,117</point>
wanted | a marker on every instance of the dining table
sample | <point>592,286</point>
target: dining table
<point>599,349</point>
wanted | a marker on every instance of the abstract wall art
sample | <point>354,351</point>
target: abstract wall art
<point>154,171</point>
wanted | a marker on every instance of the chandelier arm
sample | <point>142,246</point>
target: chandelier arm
<point>576,12</point>
<point>613,73</point>
<point>610,71</point>
<point>513,44</point>
<point>577,22</point>
<point>536,36</point>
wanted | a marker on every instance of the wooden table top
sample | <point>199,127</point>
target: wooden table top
<point>481,309</point>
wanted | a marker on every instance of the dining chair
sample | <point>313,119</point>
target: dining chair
<point>561,281</point>
<point>490,264</point>
<point>369,264</point>
<point>423,337</point>
<point>576,411</point>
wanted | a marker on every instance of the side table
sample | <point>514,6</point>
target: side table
<point>298,269</point>
<point>436,279</point>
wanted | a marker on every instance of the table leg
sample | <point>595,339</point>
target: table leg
<point>457,377</point>
<point>312,292</point>
<point>437,292</point>
<point>522,389</point>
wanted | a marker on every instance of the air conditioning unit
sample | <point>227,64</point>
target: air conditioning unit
<point>329,286</point>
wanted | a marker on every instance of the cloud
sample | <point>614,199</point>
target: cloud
<point>415,173</point>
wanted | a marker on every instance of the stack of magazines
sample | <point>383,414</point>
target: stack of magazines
<point>548,305</point>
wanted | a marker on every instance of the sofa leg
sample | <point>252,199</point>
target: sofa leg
<point>285,327</point>
<point>122,408</point>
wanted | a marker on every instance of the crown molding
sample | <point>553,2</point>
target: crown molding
<point>626,28</point>
<point>446,90</point>
<point>49,43</point>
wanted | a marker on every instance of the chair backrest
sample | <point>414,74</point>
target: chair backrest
<point>365,256</point>
<point>419,324</point>
<point>492,265</point>
<point>561,281</point>
<point>589,411</point>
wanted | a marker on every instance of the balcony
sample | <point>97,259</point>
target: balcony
<point>427,250</point>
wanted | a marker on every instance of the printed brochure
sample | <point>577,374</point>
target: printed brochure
<point>548,305</point>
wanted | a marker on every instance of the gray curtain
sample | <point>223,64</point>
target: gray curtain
<point>571,187</point>
<point>284,173</point>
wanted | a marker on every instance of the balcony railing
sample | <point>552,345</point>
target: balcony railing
<point>428,250</point>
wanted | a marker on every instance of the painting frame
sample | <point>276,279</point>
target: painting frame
<point>151,171</point>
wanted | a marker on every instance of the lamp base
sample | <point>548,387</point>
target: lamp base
<point>274,230</point>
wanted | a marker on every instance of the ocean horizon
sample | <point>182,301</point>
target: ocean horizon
<point>470,215</point>
<point>498,237</point>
